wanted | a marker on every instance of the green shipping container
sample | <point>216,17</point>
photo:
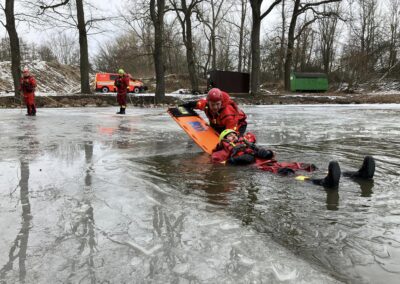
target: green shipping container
<point>308,82</point>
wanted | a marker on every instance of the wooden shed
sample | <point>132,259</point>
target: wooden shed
<point>231,82</point>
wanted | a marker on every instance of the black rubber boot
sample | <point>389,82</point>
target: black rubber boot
<point>121,111</point>
<point>366,171</point>
<point>28,110</point>
<point>245,159</point>
<point>264,154</point>
<point>333,177</point>
<point>33,110</point>
<point>286,172</point>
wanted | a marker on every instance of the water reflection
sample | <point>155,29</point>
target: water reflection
<point>332,199</point>
<point>217,185</point>
<point>366,187</point>
<point>18,250</point>
<point>83,227</point>
<point>28,147</point>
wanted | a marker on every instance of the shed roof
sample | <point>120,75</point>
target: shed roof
<point>309,75</point>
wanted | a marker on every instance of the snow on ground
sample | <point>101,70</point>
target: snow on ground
<point>58,79</point>
<point>51,77</point>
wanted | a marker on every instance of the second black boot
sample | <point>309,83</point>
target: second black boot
<point>121,111</point>
<point>333,177</point>
<point>366,171</point>
<point>33,108</point>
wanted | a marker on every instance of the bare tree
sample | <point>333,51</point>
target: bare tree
<point>5,50</point>
<point>64,47</point>
<point>363,49</point>
<point>298,9</point>
<point>157,12</point>
<point>212,19</point>
<point>394,30</point>
<point>241,38</point>
<point>282,42</point>
<point>243,10</point>
<point>14,44</point>
<point>328,34</point>
<point>45,53</point>
<point>82,25</point>
<point>255,41</point>
<point>303,48</point>
<point>184,12</point>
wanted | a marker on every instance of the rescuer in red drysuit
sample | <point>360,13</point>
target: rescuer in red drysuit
<point>27,87</point>
<point>122,84</point>
<point>222,112</point>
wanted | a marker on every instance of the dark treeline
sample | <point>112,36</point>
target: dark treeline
<point>353,41</point>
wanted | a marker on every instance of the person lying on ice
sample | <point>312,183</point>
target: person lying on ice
<point>222,112</point>
<point>235,150</point>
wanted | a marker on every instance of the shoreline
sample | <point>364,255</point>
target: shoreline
<point>143,100</point>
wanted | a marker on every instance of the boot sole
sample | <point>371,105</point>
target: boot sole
<point>368,167</point>
<point>334,173</point>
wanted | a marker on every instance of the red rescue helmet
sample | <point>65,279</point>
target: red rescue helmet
<point>250,137</point>
<point>214,95</point>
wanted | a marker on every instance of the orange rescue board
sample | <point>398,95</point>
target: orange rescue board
<point>195,127</point>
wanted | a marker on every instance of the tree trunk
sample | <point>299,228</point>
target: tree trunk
<point>214,50</point>
<point>290,45</point>
<point>255,46</point>
<point>282,43</point>
<point>241,34</point>
<point>84,53</point>
<point>212,39</point>
<point>14,45</point>
<point>157,17</point>
<point>194,81</point>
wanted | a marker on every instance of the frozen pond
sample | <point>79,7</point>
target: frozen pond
<point>87,196</point>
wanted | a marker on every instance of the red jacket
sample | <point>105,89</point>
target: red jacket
<point>122,84</point>
<point>228,117</point>
<point>27,86</point>
<point>226,150</point>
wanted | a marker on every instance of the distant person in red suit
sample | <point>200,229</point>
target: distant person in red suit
<point>27,87</point>
<point>122,84</point>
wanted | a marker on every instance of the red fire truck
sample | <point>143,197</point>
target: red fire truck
<point>104,82</point>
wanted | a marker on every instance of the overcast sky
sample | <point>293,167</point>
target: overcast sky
<point>109,8</point>
<point>36,35</point>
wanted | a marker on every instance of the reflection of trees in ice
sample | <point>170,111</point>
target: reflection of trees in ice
<point>18,250</point>
<point>82,232</point>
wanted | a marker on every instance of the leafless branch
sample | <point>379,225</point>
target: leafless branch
<point>276,2</point>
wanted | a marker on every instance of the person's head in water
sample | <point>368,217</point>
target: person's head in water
<point>25,72</point>
<point>121,72</point>
<point>228,134</point>
<point>214,99</point>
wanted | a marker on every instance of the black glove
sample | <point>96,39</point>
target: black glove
<point>251,145</point>
<point>241,160</point>
<point>189,105</point>
<point>237,149</point>
<point>264,154</point>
